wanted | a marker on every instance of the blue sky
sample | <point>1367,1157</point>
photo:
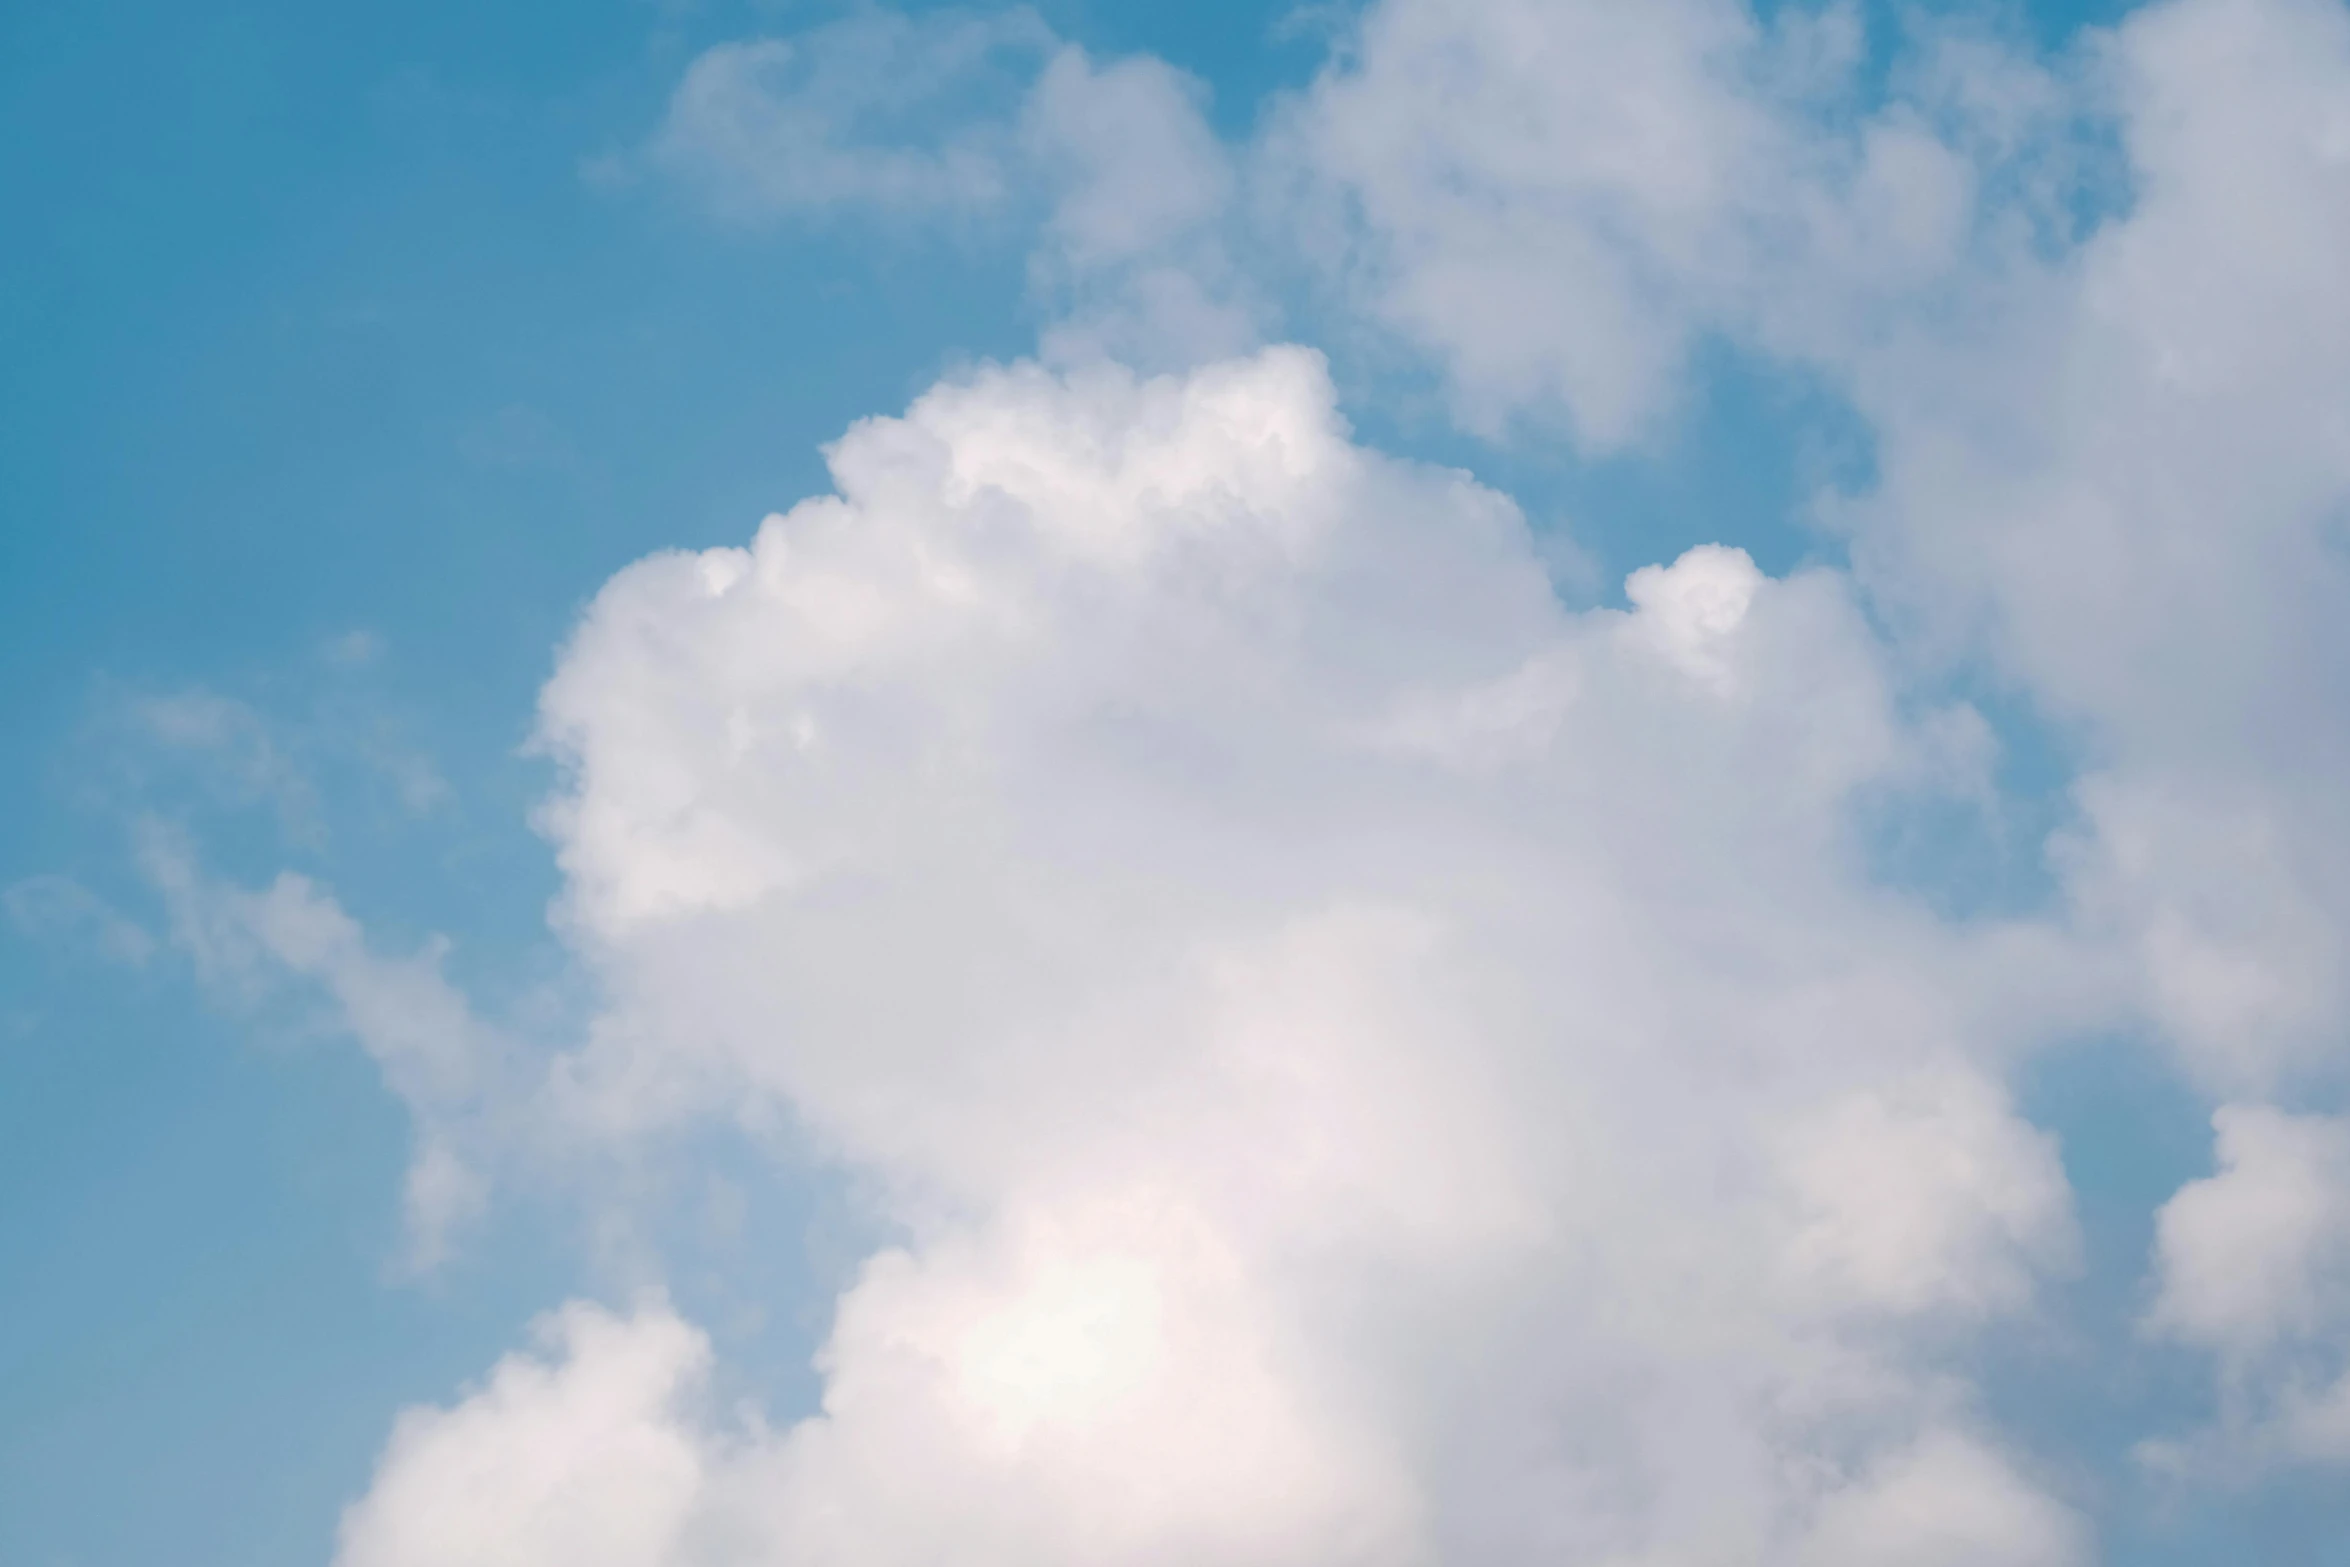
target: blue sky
<point>342,370</point>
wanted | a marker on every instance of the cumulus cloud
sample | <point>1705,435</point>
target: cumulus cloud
<point>1541,196</point>
<point>584,1456</point>
<point>1367,1065</point>
<point>1135,252</point>
<point>2255,1268</point>
<point>1944,1503</point>
<point>2260,1252</point>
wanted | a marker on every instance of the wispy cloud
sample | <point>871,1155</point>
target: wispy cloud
<point>58,907</point>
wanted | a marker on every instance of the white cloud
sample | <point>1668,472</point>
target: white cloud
<point>2260,1252</point>
<point>2255,1268</point>
<point>582,1457</point>
<point>1947,1502</point>
<point>1537,194</point>
<point>1335,1112</point>
<point>1135,250</point>
<point>1139,167</point>
<point>1926,1195</point>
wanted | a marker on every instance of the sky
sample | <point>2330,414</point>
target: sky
<point>1444,781</point>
